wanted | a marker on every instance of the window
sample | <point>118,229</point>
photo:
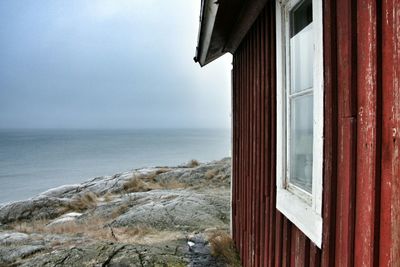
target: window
<point>300,114</point>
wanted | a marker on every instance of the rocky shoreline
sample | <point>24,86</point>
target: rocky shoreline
<point>161,216</point>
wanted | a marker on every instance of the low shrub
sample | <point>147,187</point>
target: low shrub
<point>222,247</point>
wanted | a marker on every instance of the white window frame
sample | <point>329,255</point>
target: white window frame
<point>304,212</point>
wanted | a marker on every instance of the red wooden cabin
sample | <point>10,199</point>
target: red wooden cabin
<point>316,128</point>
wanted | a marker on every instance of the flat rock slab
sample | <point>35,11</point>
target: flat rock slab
<point>12,253</point>
<point>174,254</point>
<point>176,210</point>
<point>35,208</point>
<point>10,238</point>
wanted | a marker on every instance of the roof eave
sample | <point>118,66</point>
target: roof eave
<point>223,25</point>
<point>209,9</point>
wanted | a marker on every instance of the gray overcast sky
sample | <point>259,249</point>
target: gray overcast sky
<point>107,64</point>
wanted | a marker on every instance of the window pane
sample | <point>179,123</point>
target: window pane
<point>300,17</point>
<point>301,142</point>
<point>301,60</point>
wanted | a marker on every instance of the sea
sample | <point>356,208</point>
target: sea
<point>32,161</point>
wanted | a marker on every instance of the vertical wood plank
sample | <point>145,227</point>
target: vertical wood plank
<point>330,133</point>
<point>286,243</point>
<point>315,256</point>
<point>367,135</point>
<point>272,129</point>
<point>347,111</point>
<point>233,160</point>
<point>390,196</point>
<point>252,170</point>
<point>294,245</point>
<point>242,102</point>
<point>242,131</point>
<point>302,250</point>
<point>279,238</point>
<point>248,154</point>
<point>262,144</point>
<point>257,149</point>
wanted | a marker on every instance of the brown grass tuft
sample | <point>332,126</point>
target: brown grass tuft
<point>136,184</point>
<point>152,175</point>
<point>211,174</point>
<point>144,183</point>
<point>98,229</point>
<point>193,163</point>
<point>136,231</point>
<point>83,202</point>
<point>119,211</point>
<point>108,197</point>
<point>92,227</point>
<point>222,246</point>
<point>30,227</point>
<point>172,184</point>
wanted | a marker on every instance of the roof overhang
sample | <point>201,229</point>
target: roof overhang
<point>223,25</point>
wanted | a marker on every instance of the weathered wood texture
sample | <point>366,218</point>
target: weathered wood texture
<point>361,206</point>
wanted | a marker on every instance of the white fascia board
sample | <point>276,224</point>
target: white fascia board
<point>207,25</point>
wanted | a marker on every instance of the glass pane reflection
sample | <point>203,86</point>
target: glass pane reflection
<point>301,60</point>
<point>301,142</point>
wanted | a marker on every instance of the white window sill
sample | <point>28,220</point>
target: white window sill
<point>301,214</point>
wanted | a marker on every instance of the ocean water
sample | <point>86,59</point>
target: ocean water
<point>32,161</point>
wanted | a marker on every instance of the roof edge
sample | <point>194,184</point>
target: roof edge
<point>208,14</point>
<point>223,26</point>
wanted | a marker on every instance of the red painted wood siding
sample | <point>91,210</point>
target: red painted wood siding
<point>361,201</point>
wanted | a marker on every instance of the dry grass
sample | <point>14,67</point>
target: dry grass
<point>83,202</point>
<point>152,176</point>
<point>145,235</point>
<point>108,197</point>
<point>136,184</point>
<point>119,211</point>
<point>222,246</point>
<point>136,231</point>
<point>72,227</point>
<point>211,174</point>
<point>161,170</point>
<point>193,163</point>
<point>144,183</point>
<point>36,226</point>
<point>98,229</point>
<point>173,184</point>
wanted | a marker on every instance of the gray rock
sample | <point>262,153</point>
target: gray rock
<point>174,253</point>
<point>62,191</point>
<point>66,218</point>
<point>9,238</point>
<point>36,208</point>
<point>199,253</point>
<point>216,173</point>
<point>177,209</point>
<point>14,253</point>
<point>111,254</point>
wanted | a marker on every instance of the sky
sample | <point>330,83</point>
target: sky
<point>107,64</point>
